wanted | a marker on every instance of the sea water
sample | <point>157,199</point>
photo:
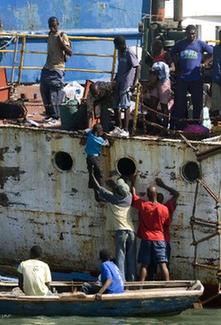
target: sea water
<point>189,317</point>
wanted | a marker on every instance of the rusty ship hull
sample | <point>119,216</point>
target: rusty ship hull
<point>45,200</point>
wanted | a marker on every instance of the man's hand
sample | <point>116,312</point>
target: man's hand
<point>159,182</point>
<point>98,296</point>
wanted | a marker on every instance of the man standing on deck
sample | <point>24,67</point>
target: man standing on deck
<point>188,55</point>
<point>34,275</point>
<point>119,221</point>
<point>153,217</point>
<point>52,75</point>
<point>126,80</point>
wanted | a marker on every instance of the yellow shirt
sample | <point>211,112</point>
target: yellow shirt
<point>119,218</point>
<point>56,56</point>
<point>35,274</point>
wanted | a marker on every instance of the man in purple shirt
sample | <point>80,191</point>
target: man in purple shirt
<point>188,54</point>
<point>126,79</point>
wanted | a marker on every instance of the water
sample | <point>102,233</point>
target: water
<point>189,317</point>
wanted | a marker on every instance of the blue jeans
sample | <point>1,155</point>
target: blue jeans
<point>126,249</point>
<point>51,85</point>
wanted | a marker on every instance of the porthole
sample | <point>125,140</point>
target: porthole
<point>126,167</point>
<point>191,171</point>
<point>63,161</point>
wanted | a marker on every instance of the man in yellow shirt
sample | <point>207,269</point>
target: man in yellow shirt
<point>52,75</point>
<point>34,275</point>
<point>119,221</point>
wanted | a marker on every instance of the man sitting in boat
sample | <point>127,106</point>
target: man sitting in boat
<point>119,221</point>
<point>34,275</point>
<point>110,277</point>
<point>153,218</point>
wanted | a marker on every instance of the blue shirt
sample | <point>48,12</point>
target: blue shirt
<point>190,58</point>
<point>109,270</point>
<point>127,64</point>
<point>216,76</point>
<point>94,144</point>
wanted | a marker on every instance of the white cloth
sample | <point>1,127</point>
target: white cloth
<point>35,274</point>
<point>73,90</point>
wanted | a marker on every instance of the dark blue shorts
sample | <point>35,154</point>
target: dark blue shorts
<point>152,250</point>
<point>145,252</point>
<point>160,251</point>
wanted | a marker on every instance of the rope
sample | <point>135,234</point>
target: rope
<point>7,43</point>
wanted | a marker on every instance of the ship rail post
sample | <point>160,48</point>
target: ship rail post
<point>20,69</point>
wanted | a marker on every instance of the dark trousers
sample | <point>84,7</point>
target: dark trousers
<point>90,288</point>
<point>180,109</point>
<point>51,85</point>
<point>93,164</point>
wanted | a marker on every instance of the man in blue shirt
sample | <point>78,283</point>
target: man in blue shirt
<point>188,54</point>
<point>111,278</point>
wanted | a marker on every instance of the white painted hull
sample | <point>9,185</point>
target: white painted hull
<point>40,204</point>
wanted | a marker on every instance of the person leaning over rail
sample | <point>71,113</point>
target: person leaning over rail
<point>52,75</point>
<point>153,217</point>
<point>34,275</point>
<point>119,221</point>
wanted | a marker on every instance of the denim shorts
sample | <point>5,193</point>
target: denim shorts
<point>159,251</point>
<point>151,250</point>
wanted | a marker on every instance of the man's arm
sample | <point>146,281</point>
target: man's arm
<point>64,43</point>
<point>20,281</point>
<point>105,286</point>
<point>171,190</point>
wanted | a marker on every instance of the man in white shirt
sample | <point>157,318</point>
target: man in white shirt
<point>34,275</point>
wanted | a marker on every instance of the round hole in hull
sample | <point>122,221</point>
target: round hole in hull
<point>126,167</point>
<point>63,161</point>
<point>191,171</point>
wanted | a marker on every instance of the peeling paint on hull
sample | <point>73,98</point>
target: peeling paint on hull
<point>40,204</point>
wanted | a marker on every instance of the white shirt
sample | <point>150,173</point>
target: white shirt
<point>35,274</point>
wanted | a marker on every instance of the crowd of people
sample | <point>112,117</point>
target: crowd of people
<point>119,195</point>
<point>154,219</point>
<point>165,99</point>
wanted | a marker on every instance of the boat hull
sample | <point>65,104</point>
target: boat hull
<point>42,204</point>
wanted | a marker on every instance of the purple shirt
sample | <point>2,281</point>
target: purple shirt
<point>127,64</point>
<point>190,58</point>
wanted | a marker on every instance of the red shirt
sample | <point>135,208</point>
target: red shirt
<point>171,205</point>
<point>153,217</point>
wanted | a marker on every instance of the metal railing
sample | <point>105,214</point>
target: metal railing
<point>21,37</point>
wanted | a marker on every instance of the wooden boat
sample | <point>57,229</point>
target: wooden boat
<point>139,299</point>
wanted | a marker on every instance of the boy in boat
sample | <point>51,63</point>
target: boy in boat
<point>126,80</point>
<point>119,221</point>
<point>95,141</point>
<point>34,275</point>
<point>52,75</point>
<point>110,277</point>
<point>153,218</point>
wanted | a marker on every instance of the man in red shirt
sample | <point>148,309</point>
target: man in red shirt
<point>153,217</point>
<point>171,205</point>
